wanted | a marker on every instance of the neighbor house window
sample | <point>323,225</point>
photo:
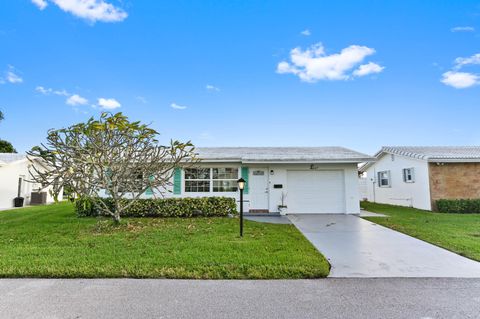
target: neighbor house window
<point>204,180</point>
<point>197,180</point>
<point>408,175</point>
<point>384,179</point>
<point>225,179</point>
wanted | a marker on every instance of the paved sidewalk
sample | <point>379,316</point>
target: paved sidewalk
<point>325,298</point>
<point>359,248</point>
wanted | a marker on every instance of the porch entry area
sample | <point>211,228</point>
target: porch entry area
<point>259,190</point>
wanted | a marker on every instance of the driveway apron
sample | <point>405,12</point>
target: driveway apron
<point>359,248</point>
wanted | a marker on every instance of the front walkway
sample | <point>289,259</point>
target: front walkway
<point>359,248</point>
<point>270,219</point>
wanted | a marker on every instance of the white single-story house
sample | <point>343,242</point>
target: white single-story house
<point>417,176</point>
<point>311,180</point>
<point>14,182</point>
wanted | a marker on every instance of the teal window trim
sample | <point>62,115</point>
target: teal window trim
<point>177,181</point>
<point>244,174</point>
<point>149,190</point>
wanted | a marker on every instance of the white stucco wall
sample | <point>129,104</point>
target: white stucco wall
<point>280,177</point>
<point>415,194</point>
<point>277,174</point>
<point>9,175</point>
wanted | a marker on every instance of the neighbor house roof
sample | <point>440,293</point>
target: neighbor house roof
<point>281,154</point>
<point>432,153</point>
<point>6,158</point>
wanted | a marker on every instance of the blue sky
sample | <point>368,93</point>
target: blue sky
<point>223,73</point>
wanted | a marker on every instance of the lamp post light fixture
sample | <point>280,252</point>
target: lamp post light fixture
<point>241,185</point>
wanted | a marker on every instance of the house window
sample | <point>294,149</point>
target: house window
<point>197,180</point>
<point>384,179</point>
<point>409,175</point>
<point>133,184</point>
<point>225,179</point>
<point>204,180</point>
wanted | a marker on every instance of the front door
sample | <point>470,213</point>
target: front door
<point>259,190</point>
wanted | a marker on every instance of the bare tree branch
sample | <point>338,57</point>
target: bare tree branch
<point>110,157</point>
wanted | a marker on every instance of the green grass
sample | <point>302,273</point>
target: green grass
<point>50,241</point>
<point>459,233</point>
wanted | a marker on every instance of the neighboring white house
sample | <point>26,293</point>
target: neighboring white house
<point>14,177</point>
<point>312,179</point>
<point>417,176</point>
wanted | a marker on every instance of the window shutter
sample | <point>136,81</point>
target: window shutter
<point>149,190</point>
<point>379,179</point>
<point>245,177</point>
<point>404,175</point>
<point>108,174</point>
<point>177,181</point>
<point>389,179</point>
<point>412,172</point>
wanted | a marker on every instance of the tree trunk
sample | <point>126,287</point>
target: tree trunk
<point>116,212</point>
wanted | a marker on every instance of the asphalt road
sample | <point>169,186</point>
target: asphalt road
<point>326,298</point>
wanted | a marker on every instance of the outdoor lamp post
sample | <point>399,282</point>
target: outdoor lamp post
<point>241,185</point>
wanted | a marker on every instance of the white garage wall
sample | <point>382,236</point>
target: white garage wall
<point>350,178</point>
<point>415,194</point>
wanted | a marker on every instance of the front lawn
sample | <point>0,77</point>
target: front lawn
<point>459,233</point>
<point>50,241</point>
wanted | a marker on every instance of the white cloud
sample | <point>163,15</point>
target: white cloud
<point>313,64</point>
<point>210,87</point>
<point>460,62</point>
<point>41,4</point>
<point>142,99</point>
<point>460,80</point>
<point>109,104</point>
<point>177,107</point>
<point>76,100</point>
<point>44,91</point>
<point>61,92</point>
<point>463,29</point>
<point>369,68</point>
<point>48,91</point>
<point>11,76</point>
<point>90,10</point>
<point>306,32</point>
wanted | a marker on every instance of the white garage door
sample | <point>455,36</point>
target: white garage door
<point>312,192</point>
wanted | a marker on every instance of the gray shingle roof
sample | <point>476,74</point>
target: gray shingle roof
<point>431,153</point>
<point>281,154</point>
<point>11,157</point>
<point>454,154</point>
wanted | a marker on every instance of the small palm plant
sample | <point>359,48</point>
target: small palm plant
<point>282,208</point>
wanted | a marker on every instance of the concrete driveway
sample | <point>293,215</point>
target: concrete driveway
<point>358,248</point>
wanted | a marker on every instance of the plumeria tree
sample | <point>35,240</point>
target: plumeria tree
<point>109,157</point>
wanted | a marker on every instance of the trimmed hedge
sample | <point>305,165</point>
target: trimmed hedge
<point>166,207</point>
<point>458,206</point>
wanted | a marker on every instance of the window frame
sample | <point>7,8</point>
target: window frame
<point>185,180</point>
<point>211,180</point>
<point>411,173</point>
<point>388,178</point>
<point>234,180</point>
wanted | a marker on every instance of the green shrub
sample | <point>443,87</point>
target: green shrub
<point>459,206</point>
<point>166,207</point>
